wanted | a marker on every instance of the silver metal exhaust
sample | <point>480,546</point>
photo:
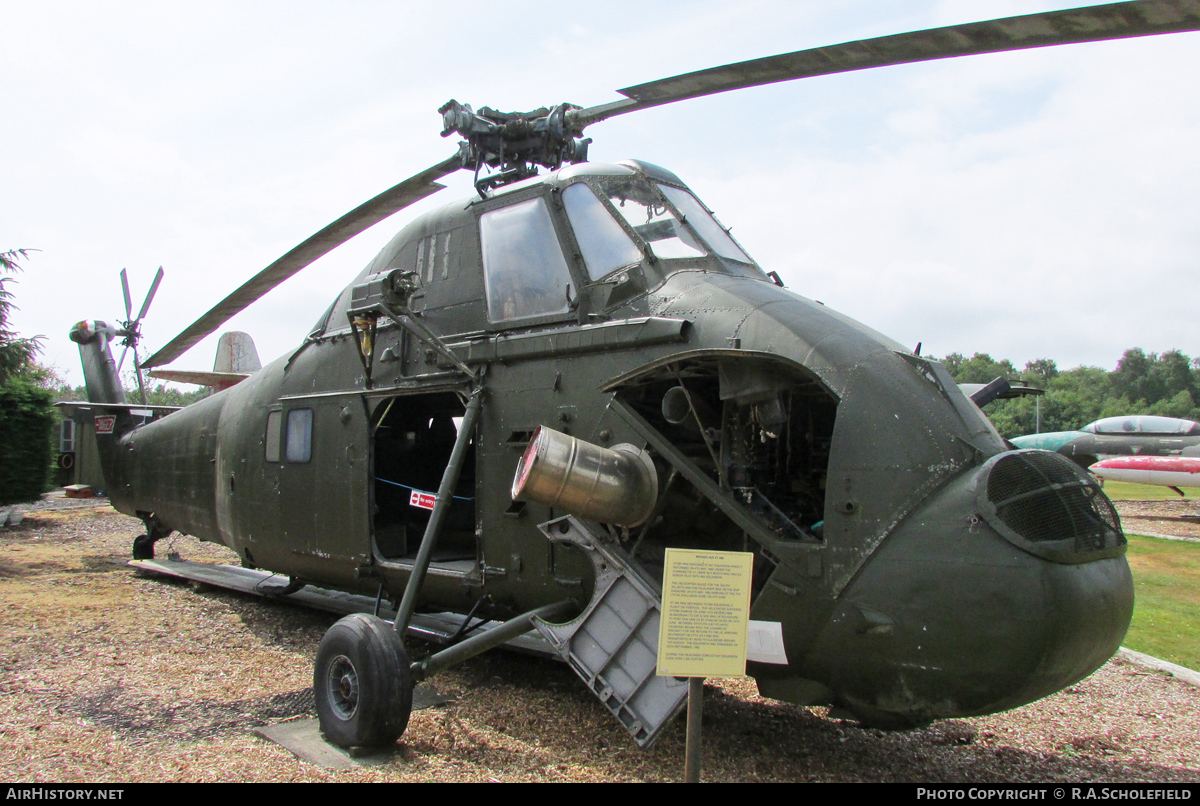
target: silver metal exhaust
<point>617,485</point>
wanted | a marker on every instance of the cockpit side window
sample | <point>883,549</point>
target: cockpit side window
<point>639,203</point>
<point>603,242</point>
<point>705,225</point>
<point>523,262</point>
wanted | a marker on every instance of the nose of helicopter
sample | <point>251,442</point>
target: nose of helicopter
<point>1007,585</point>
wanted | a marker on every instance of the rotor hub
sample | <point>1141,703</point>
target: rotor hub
<point>515,143</point>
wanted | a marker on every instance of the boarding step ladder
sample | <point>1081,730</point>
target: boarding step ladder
<point>613,644</point>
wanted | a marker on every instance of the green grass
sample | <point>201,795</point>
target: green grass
<point>1123,490</point>
<point>1166,612</point>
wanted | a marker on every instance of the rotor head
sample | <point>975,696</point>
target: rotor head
<point>516,143</point>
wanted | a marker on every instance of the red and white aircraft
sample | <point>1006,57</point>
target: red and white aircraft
<point>1165,471</point>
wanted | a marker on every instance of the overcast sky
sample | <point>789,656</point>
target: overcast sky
<point>1032,204</point>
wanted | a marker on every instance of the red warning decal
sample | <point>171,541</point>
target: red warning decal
<point>105,423</point>
<point>422,500</point>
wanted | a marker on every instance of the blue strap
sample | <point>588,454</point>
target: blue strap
<point>414,489</point>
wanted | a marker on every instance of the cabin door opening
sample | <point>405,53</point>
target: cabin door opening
<point>413,438</point>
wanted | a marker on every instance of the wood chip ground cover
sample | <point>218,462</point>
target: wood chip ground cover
<point>109,676</point>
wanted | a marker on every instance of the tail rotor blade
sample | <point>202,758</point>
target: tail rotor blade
<point>128,301</point>
<point>391,201</point>
<point>122,361</point>
<point>150,295</point>
<point>141,381</point>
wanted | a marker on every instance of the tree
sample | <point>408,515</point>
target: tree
<point>163,395</point>
<point>16,354</point>
<point>26,411</point>
<point>1074,398</point>
<point>1041,372</point>
<point>1143,383</point>
<point>1174,374</point>
<point>979,368</point>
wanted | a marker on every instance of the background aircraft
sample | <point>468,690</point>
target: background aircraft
<point>1131,435</point>
<point>1164,471</point>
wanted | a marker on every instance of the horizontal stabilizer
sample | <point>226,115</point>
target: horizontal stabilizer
<point>217,380</point>
<point>136,409</point>
<point>237,359</point>
<point>1000,389</point>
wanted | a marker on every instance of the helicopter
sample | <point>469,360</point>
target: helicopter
<point>528,396</point>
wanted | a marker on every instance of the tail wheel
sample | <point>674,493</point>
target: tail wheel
<point>362,683</point>
<point>143,547</point>
<point>156,530</point>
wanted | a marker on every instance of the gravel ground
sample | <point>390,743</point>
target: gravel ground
<point>114,677</point>
<point>1180,519</point>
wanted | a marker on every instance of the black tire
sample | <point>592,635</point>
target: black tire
<point>362,683</point>
<point>143,547</point>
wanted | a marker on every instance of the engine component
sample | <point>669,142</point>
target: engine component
<point>617,485</point>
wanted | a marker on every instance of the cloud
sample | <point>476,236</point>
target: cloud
<point>1029,204</point>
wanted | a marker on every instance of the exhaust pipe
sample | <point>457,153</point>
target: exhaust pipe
<point>617,485</point>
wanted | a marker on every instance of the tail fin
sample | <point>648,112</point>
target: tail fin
<point>236,353</point>
<point>237,359</point>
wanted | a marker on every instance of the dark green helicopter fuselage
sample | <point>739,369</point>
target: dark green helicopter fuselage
<point>919,569</point>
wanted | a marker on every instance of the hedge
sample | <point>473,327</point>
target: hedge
<point>26,428</point>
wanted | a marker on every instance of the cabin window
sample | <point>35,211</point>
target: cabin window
<point>705,225</point>
<point>66,436</point>
<point>526,272</point>
<point>299,435</point>
<point>602,241</point>
<point>274,419</point>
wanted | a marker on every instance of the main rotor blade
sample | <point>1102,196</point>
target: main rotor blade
<point>369,213</point>
<point>149,296</point>
<point>1092,24</point>
<point>125,290</point>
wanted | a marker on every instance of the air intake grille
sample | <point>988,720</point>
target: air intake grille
<point>1046,498</point>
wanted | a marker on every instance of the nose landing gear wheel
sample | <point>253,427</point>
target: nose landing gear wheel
<point>362,683</point>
